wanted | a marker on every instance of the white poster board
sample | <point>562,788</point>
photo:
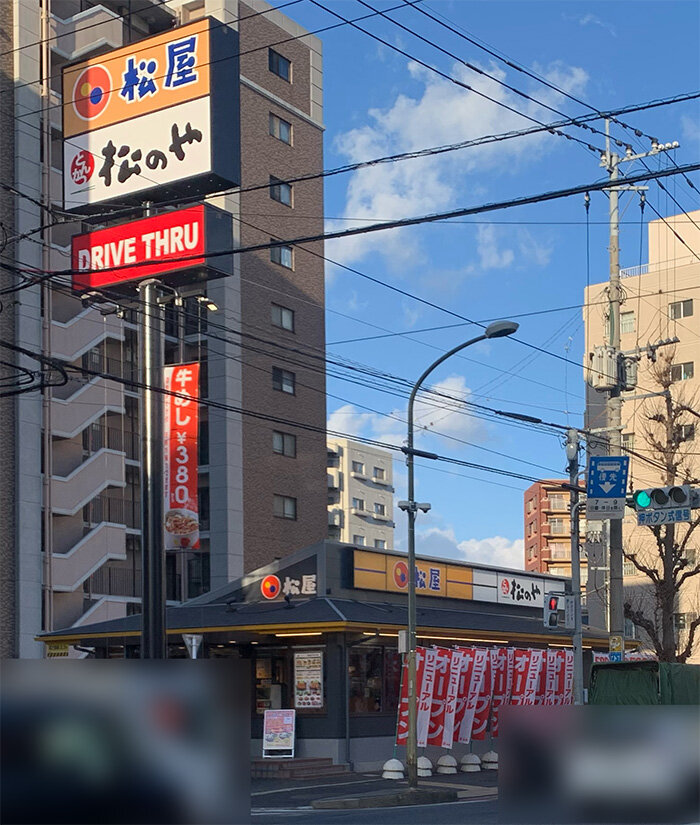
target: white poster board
<point>278,734</point>
<point>308,680</point>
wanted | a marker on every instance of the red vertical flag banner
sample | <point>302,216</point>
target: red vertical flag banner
<point>542,682</point>
<point>457,665</point>
<point>473,689</point>
<point>554,691</point>
<point>532,680</point>
<point>425,689</point>
<point>521,666</point>
<point>181,412</point>
<point>465,676</point>
<point>567,691</point>
<point>500,673</point>
<point>483,702</point>
<point>402,723</point>
<point>436,726</point>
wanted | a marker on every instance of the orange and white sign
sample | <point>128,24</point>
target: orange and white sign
<point>180,456</point>
<point>144,77</point>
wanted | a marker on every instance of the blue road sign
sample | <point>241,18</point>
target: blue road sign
<point>615,656</point>
<point>607,476</point>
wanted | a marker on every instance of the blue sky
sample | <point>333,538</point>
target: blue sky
<point>502,264</point>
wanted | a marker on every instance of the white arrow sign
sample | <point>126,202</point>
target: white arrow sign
<point>607,486</point>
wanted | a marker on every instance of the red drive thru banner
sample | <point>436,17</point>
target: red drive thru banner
<point>182,243</point>
<point>181,507</point>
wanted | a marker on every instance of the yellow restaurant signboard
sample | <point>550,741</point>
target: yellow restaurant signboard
<point>389,573</point>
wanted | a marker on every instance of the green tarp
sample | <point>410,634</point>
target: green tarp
<point>644,683</point>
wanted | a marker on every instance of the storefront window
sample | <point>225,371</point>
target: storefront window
<point>375,677</point>
<point>270,682</point>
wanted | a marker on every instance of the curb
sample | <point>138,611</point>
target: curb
<point>386,800</point>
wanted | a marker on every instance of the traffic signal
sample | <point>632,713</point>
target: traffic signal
<point>551,610</point>
<point>662,498</point>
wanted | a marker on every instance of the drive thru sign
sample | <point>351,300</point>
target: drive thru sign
<point>606,486</point>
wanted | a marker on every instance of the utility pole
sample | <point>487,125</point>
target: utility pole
<point>153,629</point>
<point>611,161</point>
<point>572,448</point>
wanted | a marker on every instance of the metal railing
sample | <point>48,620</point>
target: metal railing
<point>114,510</point>
<point>97,436</point>
<point>634,271</point>
<point>114,581</point>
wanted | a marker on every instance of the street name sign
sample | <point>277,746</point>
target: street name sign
<point>606,486</point>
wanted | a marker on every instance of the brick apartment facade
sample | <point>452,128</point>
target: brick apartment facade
<point>259,498</point>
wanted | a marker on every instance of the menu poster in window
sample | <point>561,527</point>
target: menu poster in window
<point>308,679</point>
<point>278,731</point>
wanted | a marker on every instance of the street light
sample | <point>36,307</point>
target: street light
<point>498,329</point>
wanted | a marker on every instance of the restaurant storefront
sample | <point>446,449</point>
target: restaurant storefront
<point>321,631</point>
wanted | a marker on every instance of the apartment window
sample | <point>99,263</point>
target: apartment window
<point>279,65</point>
<point>380,544</point>
<point>358,540</point>
<point>280,129</point>
<point>556,526</point>
<point>687,432</point>
<point>680,309</point>
<point>379,509</point>
<point>280,191</point>
<point>284,444</point>
<point>358,467</point>
<point>283,317</point>
<point>556,502</point>
<point>285,507</point>
<point>628,569</point>
<point>682,621</point>
<point>682,372</point>
<point>626,322</point>
<point>283,380</point>
<point>358,504</point>
<point>281,255</point>
<point>628,441</point>
<point>379,474</point>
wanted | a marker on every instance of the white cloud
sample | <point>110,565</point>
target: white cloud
<point>594,20</point>
<point>432,415</point>
<point>490,256</point>
<point>496,550</point>
<point>440,114</point>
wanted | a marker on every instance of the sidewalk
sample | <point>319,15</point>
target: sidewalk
<point>354,790</point>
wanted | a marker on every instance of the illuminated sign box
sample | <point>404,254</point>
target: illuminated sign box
<point>181,244</point>
<point>152,121</point>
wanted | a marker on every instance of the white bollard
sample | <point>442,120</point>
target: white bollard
<point>425,766</point>
<point>447,764</point>
<point>489,761</point>
<point>470,763</point>
<point>392,769</point>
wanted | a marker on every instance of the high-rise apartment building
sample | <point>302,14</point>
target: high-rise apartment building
<point>71,459</point>
<point>661,301</point>
<point>360,494</point>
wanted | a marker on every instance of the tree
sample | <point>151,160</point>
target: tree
<point>668,557</point>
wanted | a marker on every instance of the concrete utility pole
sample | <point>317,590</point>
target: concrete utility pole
<point>611,161</point>
<point>572,448</point>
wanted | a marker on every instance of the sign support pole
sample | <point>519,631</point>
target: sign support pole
<point>152,545</point>
<point>572,449</point>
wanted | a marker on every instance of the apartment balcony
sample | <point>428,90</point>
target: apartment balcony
<point>114,510</point>
<point>114,581</point>
<point>86,31</point>
<point>71,339</point>
<point>71,493</point>
<point>72,414</point>
<point>103,543</point>
<point>382,517</point>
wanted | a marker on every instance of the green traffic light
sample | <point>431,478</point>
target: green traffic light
<point>642,498</point>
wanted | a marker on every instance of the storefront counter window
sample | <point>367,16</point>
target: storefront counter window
<point>375,676</point>
<point>270,682</point>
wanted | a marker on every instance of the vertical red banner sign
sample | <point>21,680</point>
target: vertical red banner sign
<point>521,666</point>
<point>502,671</point>
<point>473,690</point>
<point>567,691</point>
<point>483,702</point>
<point>457,665</point>
<point>181,412</point>
<point>425,690</point>
<point>533,678</point>
<point>402,721</point>
<point>554,692</point>
<point>465,676</point>
<point>436,725</point>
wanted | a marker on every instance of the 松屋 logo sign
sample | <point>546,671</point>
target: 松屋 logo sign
<point>157,116</point>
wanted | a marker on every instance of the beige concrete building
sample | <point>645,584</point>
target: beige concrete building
<point>360,494</point>
<point>661,301</point>
<point>73,507</point>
